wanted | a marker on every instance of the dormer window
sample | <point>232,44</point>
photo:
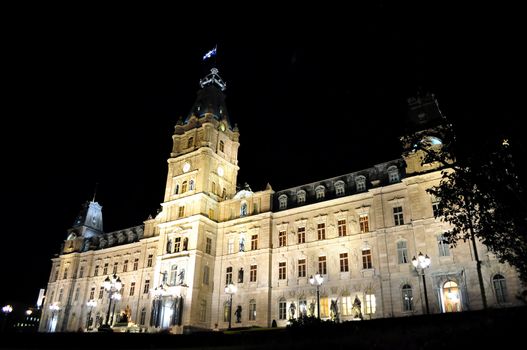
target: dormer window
<point>301,196</point>
<point>190,142</point>
<point>339,188</point>
<point>282,202</point>
<point>393,174</point>
<point>320,192</point>
<point>360,183</point>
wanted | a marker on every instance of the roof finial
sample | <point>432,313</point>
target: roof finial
<point>95,191</point>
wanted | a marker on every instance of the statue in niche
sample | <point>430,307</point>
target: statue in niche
<point>185,243</point>
<point>292,310</point>
<point>334,310</point>
<point>240,275</point>
<point>169,246</point>
<point>242,243</point>
<point>181,277</point>
<point>356,309</point>
<point>238,314</point>
<point>164,279</point>
<point>312,308</point>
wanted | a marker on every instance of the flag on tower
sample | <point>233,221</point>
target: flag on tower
<point>210,53</point>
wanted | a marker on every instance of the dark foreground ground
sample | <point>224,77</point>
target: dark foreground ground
<point>486,329</point>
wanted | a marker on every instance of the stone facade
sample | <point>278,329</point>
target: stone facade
<point>359,230</point>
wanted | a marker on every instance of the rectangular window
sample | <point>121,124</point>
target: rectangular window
<point>301,267</point>
<point>435,209</point>
<point>81,271</point>
<point>402,252</point>
<point>442,245</point>
<point>324,306</point>
<point>181,211</point>
<point>252,310</point>
<point>115,265</point>
<point>230,246</point>
<point>344,267</point>
<point>341,224</point>
<point>56,277</point>
<point>301,235</point>
<point>322,268</point>
<point>346,305</point>
<point>208,245</point>
<point>366,259</point>
<point>105,269</point>
<point>213,187</point>
<point>282,239</point>
<point>202,311</point>
<point>136,264</point>
<point>92,293</point>
<point>101,292</point>
<point>408,304</point>
<point>253,272</point>
<point>173,275</point>
<point>363,224</point>
<point>370,304</point>
<point>254,242</point>
<point>149,261</point>
<point>132,289</point>
<point>177,245</point>
<point>147,287</point>
<point>282,314</point>
<point>282,270</point>
<point>228,276</point>
<point>65,274</point>
<point>398,216</point>
<point>125,266</point>
<point>206,271</point>
<point>77,292</point>
<point>142,319</point>
<point>321,230</point>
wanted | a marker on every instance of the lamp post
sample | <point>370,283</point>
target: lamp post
<point>317,281</point>
<point>230,289</point>
<point>54,308</point>
<point>111,285</point>
<point>6,310</point>
<point>91,305</point>
<point>421,263</point>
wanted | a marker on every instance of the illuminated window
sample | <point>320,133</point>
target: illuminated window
<point>341,225</point>
<point>254,242</point>
<point>181,211</point>
<point>324,306</point>
<point>222,146</point>
<point>147,287</point>
<point>339,188</point>
<point>282,314</point>
<point>301,267</point>
<point>320,192</point>
<point>402,252</point>
<point>282,270</point>
<point>301,196</point>
<point>363,224</point>
<point>253,273</point>
<point>370,304</point>
<point>442,245</point>
<point>301,235</point>
<point>282,239</point>
<point>321,231</point>
<point>184,187</point>
<point>252,310</point>
<point>360,183</point>
<point>366,259</point>
<point>398,216</point>
<point>408,299</point>
<point>190,142</point>
<point>344,267</point>
<point>322,267</point>
<point>282,202</point>
<point>500,288</point>
<point>228,276</point>
<point>393,174</point>
<point>132,289</point>
<point>345,305</point>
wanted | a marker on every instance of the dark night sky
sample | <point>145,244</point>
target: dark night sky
<point>93,97</point>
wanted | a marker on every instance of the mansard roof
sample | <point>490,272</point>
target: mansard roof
<point>376,176</point>
<point>115,238</point>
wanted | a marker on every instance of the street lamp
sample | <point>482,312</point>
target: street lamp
<point>230,289</point>
<point>420,264</point>
<point>112,286</point>
<point>317,280</point>
<point>91,304</point>
<point>6,310</point>
<point>54,308</point>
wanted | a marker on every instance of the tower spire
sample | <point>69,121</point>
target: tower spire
<point>95,191</point>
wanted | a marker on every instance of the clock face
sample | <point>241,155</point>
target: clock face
<point>186,167</point>
<point>220,171</point>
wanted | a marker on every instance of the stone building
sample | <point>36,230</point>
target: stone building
<point>359,231</point>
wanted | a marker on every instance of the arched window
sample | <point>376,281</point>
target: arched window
<point>408,299</point>
<point>500,288</point>
<point>301,196</point>
<point>222,146</point>
<point>184,187</point>
<point>282,202</point>
<point>393,174</point>
<point>360,183</point>
<point>190,142</point>
<point>243,209</point>
<point>176,190</point>
<point>320,192</point>
<point>339,188</point>
<point>252,310</point>
<point>191,185</point>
